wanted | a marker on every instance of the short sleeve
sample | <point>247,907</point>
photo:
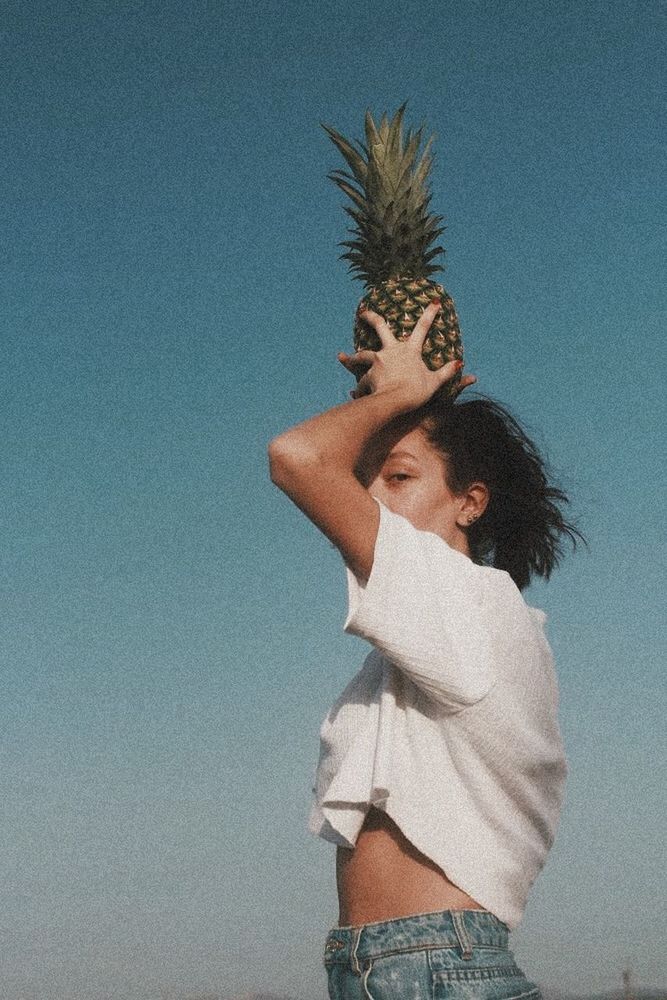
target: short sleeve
<point>423,607</point>
<point>538,616</point>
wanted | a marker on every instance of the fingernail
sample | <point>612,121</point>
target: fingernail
<point>458,365</point>
<point>435,302</point>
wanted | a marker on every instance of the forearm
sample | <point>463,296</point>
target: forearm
<point>337,437</point>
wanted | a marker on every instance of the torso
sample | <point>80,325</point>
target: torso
<point>384,876</point>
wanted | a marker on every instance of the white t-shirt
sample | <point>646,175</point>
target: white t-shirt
<point>451,725</point>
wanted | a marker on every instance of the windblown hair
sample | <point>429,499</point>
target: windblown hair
<point>522,528</point>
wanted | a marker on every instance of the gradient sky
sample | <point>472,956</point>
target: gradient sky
<point>171,628</point>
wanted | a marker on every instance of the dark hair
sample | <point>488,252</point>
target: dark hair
<point>521,529</point>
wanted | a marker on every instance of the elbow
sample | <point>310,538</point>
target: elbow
<point>288,461</point>
<point>278,461</point>
<point>275,456</point>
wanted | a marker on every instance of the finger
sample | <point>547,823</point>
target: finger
<point>350,367</point>
<point>364,387</point>
<point>353,362</point>
<point>464,383</point>
<point>448,371</point>
<point>360,358</point>
<point>423,324</point>
<point>380,326</point>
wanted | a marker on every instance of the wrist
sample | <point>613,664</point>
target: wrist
<point>393,400</point>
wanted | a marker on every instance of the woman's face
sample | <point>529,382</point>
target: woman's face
<point>406,473</point>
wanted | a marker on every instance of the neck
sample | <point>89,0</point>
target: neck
<point>457,539</point>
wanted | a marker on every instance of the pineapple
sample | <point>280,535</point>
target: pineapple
<point>392,250</point>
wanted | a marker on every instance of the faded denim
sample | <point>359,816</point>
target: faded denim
<point>447,955</point>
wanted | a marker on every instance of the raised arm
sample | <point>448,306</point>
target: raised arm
<point>314,462</point>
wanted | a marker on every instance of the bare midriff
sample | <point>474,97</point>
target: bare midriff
<point>384,876</point>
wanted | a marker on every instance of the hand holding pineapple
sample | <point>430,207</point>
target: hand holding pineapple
<point>398,365</point>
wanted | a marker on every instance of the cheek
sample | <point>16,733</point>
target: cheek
<point>435,509</point>
<point>374,486</point>
<point>382,492</point>
<point>396,500</point>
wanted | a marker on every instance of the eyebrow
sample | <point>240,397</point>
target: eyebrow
<point>401,454</point>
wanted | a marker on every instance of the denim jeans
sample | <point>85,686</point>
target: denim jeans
<point>447,955</point>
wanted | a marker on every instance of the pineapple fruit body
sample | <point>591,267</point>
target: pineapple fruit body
<point>401,301</point>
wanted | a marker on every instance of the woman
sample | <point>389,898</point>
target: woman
<point>441,770</point>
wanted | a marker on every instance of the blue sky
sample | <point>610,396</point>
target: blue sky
<point>171,634</point>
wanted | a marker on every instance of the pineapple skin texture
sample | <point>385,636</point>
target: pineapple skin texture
<point>401,301</point>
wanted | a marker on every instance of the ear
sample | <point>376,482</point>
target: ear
<point>473,504</point>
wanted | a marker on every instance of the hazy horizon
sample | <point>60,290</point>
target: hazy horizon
<point>165,993</point>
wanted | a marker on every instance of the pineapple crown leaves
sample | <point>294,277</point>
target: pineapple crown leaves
<point>388,188</point>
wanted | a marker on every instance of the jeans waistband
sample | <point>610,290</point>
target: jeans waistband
<point>461,929</point>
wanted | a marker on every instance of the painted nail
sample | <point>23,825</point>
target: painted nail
<point>458,365</point>
<point>435,302</point>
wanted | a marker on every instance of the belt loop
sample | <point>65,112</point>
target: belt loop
<point>462,934</point>
<point>354,961</point>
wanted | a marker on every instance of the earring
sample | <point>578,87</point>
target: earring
<point>471,519</point>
